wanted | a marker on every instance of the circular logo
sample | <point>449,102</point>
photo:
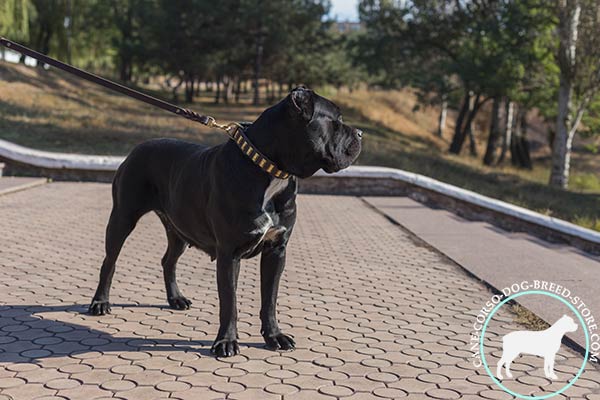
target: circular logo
<point>565,322</point>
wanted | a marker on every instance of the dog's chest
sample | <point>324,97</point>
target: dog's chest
<point>275,187</point>
<point>266,225</point>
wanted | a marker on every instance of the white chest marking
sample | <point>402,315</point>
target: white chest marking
<point>274,188</point>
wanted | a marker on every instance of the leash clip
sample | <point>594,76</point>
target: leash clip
<point>228,128</point>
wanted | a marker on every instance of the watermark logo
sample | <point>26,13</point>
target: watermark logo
<point>539,343</point>
<point>575,316</point>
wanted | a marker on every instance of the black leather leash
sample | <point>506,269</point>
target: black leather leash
<point>234,130</point>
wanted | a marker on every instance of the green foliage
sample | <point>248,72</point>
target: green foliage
<point>14,18</point>
<point>190,40</point>
<point>440,47</point>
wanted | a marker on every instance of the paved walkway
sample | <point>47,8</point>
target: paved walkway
<point>502,258</point>
<point>375,313</point>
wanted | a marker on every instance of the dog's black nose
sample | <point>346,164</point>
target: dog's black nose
<point>359,133</point>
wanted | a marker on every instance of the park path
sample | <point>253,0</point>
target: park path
<point>376,313</point>
<point>502,258</point>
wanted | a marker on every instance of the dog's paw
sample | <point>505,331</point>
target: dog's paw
<point>179,303</point>
<point>99,307</point>
<point>225,347</point>
<point>553,377</point>
<point>279,342</point>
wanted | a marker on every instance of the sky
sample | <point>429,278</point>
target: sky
<point>344,9</point>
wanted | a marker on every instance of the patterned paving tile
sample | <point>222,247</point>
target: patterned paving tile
<point>375,313</point>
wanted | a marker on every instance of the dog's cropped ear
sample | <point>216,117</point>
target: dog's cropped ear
<point>303,102</point>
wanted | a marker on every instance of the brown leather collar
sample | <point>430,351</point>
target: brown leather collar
<point>246,146</point>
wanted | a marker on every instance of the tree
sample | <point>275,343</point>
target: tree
<point>577,58</point>
<point>14,18</point>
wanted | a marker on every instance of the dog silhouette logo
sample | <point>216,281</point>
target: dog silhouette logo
<point>539,343</point>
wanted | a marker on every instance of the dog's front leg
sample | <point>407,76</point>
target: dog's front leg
<point>228,269</point>
<point>271,267</point>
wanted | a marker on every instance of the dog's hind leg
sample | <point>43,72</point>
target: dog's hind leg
<point>119,227</point>
<point>507,366</point>
<point>549,367</point>
<point>175,249</point>
<point>499,368</point>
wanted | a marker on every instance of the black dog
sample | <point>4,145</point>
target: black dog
<point>218,200</point>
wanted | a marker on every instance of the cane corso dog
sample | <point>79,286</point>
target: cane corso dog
<point>218,200</point>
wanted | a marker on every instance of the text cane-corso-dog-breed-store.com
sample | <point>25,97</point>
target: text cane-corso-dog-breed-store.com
<point>232,201</point>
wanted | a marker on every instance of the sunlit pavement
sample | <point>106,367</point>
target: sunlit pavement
<point>375,313</point>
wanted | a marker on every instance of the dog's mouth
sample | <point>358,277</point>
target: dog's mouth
<point>341,157</point>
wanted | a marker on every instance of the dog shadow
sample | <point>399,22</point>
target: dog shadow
<point>26,337</point>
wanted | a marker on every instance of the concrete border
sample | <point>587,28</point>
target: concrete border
<point>51,160</point>
<point>470,197</point>
<point>356,180</point>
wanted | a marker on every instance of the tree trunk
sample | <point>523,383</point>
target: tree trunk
<point>44,41</point>
<point>126,29</point>
<point>189,89</point>
<point>442,117</point>
<point>270,92</point>
<point>238,88</point>
<point>472,142</point>
<point>68,22</point>
<point>519,149</point>
<point>226,87</point>
<point>218,91</point>
<point>258,68</point>
<point>569,13</point>
<point>490,152</point>
<point>473,109</point>
<point>467,130</point>
<point>125,68</point>
<point>175,88</point>
<point>456,144</point>
<point>507,137</point>
<point>563,140</point>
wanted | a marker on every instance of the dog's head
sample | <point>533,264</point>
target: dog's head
<point>307,133</point>
<point>567,324</point>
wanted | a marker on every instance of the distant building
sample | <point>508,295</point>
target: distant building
<point>347,26</point>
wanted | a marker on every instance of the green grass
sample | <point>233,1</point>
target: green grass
<point>54,111</point>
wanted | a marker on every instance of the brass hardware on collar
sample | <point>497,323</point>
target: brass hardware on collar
<point>250,151</point>
<point>235,132</point>
<point>228,128</point>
